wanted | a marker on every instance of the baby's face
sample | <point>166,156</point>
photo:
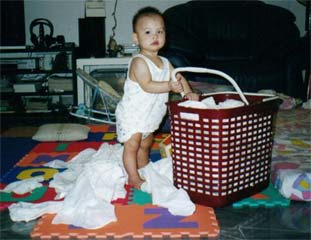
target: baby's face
<point>150,33</point>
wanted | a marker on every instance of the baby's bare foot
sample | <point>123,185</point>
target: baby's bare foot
<point>135,182</point>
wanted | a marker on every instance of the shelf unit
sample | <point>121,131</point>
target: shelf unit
<point>38,80</point>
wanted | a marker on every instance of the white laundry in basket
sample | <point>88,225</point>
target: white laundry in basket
<point>209,103</point>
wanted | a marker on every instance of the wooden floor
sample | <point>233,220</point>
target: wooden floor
<point>19,131</point>
<point>25,125</point>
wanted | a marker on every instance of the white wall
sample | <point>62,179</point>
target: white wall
<point>126,10</point>
<point>65,14</point>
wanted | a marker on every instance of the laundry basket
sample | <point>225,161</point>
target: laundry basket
<point>222,155</point>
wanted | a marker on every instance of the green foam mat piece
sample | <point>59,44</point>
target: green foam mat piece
<point>139,197</point>
<point>61,147</point>
<point>270,197</point>
<point>35,195</point>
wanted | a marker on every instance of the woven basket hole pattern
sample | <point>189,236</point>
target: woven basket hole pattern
<point>218,157</point>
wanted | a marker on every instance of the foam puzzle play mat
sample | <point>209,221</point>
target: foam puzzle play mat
<point>136,216</point>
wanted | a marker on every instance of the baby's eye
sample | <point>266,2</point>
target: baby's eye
<point>160,32</point>
<point>147,32</point>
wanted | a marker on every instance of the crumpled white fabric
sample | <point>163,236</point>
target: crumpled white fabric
<point>24,186</point>
<point>164,193</point>
<point>105,164</point>
<point>193,104</point>
<point>286,179</point>
<point>230,103</point>
<point>25,211</point>
<point>85,205</point>
<point>95,178</point>
<point>209,103</point>
<point>56,164</point>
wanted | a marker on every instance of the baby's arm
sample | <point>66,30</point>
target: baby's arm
<point>139,72</point>
<point>189,94</point>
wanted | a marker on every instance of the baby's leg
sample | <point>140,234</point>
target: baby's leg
<point>144,151</point>
<point>130,152</point>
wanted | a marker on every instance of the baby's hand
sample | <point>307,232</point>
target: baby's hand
<point>192,96</point>
<point>176,86</point>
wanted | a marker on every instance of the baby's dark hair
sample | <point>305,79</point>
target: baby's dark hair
<point>146,11</point>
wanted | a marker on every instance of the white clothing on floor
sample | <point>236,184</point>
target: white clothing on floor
<point>95,178</point>
<point>140,111</point>
<point>24,186</point>
<point>162,190</point>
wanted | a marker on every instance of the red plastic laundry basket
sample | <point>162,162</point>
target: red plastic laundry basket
<point>222,155</point>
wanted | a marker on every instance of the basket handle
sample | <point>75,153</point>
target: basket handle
<point>212,71</point>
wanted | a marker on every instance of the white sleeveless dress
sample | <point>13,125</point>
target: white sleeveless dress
<point>140,111</point>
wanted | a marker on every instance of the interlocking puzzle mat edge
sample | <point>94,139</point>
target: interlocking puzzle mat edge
<point>148,221</point>
<point>270,197</point>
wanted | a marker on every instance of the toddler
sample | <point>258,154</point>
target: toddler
<point>146,89</point>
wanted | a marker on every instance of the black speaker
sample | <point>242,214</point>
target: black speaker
<point>12,23</point>
<point>92,42</point>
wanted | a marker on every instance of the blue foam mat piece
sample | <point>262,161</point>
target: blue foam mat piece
<point>13,149</point>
